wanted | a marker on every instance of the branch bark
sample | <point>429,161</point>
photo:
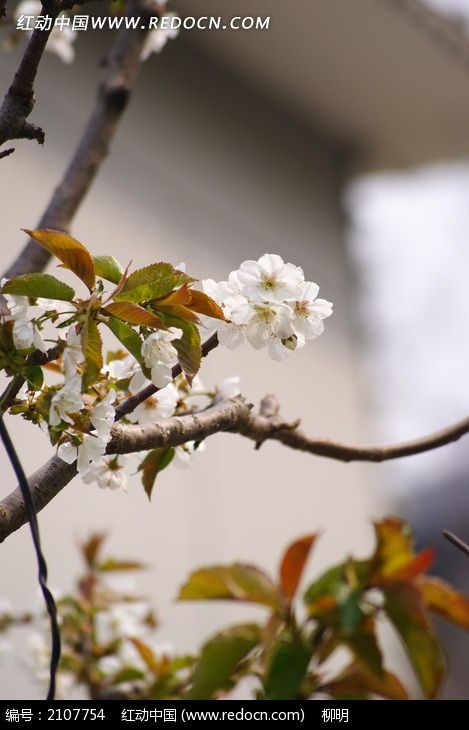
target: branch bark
<point>231,416</point>
<point>122,67</point>
<point>19,99</point>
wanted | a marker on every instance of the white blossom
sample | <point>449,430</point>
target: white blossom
<point>158,37</point>
<point>269,303</point>
<point>102,416</point>
<point>230,387</point>
<point>269,279</point>
<point>184,454</point>
<point>73,354</point>
<point>17,305</point>
<point>226,294</point>
<point>91,449</point>
<point>60,40</point>
<point>121,368</point>
<point>66,401</point>
<point>309,312</point>
<point>160,355</point>
<point>25,333</point>
<point>161,405</point>
<point>267,324</point>
<point>108,472</point>
<point>123,619</point>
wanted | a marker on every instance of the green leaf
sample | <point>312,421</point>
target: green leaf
<point>293,563</point>
<point>154,462</point>
<point>238,582</point>
<point>92,346</point>
<point>286,669</point>
<point>364,645</point>
<point>107,267</point>
<point>134,314</point>
<point>444,600</point>
<point>354,682</point>
<point>405,609</point>
<point>111,565</point>
<point>129,338</point>
<point>69,251</point>
<point>188,347</point>
<point>219,659</point>
<point>152,282</point>
<point>39,285</point>
<point>128,674</point>
<point>34,377</point>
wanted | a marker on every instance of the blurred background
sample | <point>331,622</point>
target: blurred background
<point>337,139</point>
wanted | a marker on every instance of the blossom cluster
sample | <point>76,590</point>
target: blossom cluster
<point>271,305</point>
<point>68,400</point>
<point>158,315</point>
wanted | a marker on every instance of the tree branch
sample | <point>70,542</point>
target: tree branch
<point>456,541</point>
<point>19,99</point>
<point>263,428</point>
<point>229,416</point>
<point>44,485</point>
<point>236,416</point>
<point>122,67</point>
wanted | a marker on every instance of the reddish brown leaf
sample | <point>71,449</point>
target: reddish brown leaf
<point>204,304</point>
<point>410,570</point>
<point>92,547</point>
<point>146,654</point>
<point>183,295</point>
<point>444,600</point>
<point>293,563</point>
<point>135,314</point>
<point>355,682</point>
<point>69,251</point>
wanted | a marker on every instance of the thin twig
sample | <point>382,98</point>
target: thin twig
<point>122,67</point>
<point>232,416</point>
<point>19,99</point>
<point>463,546</point>
<point>7,152</point>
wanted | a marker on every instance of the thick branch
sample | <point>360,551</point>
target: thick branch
<point>44,484</point>
<point>236,416</point>
<point>232,416</point>
<point>121,73</point>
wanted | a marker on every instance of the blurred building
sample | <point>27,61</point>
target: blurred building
<point>238,143</point>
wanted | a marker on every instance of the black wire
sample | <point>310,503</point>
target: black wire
<point>42,566</point>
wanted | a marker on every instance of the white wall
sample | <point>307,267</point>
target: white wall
<point>206,172</point>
